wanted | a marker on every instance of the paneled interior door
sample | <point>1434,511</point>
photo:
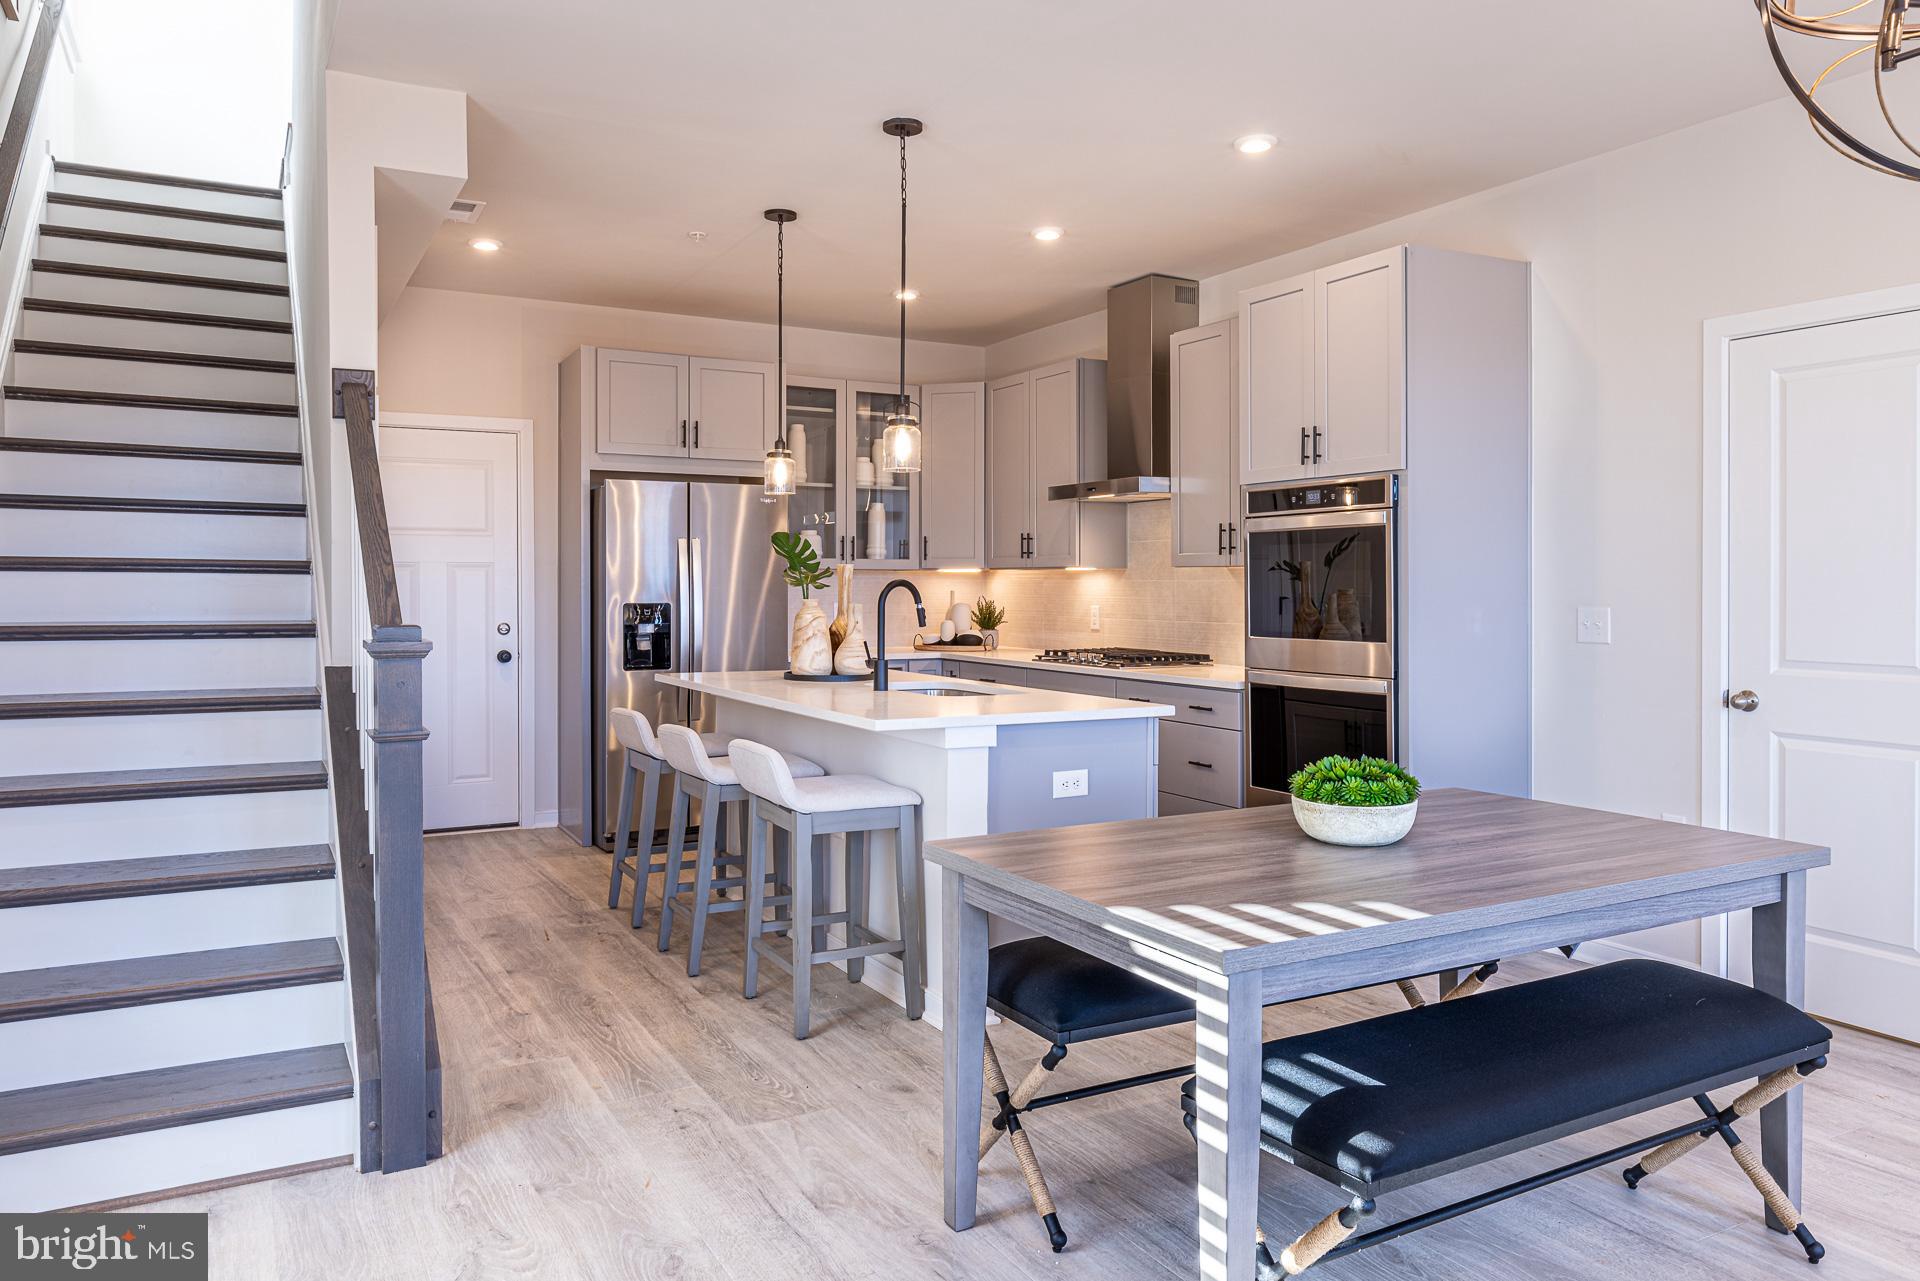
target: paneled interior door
<point>453,506</point>
<point>1824,634</point>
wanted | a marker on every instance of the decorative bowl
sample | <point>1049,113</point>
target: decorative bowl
<point>1356,825</point>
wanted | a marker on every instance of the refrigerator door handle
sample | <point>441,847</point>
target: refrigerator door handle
<point>683,591</point>
<point>699,610</point>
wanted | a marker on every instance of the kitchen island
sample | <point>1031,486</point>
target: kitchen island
<point>984,759</point>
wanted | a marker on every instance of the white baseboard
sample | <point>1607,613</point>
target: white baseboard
<point>1603,950</point>
<point>543,818</point>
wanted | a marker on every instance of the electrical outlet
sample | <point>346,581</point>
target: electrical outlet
<point>1096,617</point>
<point>1593,625</point>
<point>1069,782</point>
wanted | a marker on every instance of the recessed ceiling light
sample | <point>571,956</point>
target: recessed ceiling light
<point>1046,233</point>
<point>906,295</point>
<point>1254,144</point>
<point>697,237</point>
<point>484,245</point>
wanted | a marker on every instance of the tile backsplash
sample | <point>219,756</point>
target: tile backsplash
<point>1150,603</point>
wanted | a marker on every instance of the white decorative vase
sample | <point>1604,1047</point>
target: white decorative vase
<point>812,652</point>
<point>850,659</point>
<point>797,446</point>
<point>1356,825</point>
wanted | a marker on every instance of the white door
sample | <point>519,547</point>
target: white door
<point>1205,499</point>
<point>1360,312</point>
<point>1824,629</point>
<point>1277,399</point>
<point>953,448</point>
<point>1055,541</point>
<point>733,403</point>
<point>1009,470</point>
<point>453,505</point>
<point>643,403</point>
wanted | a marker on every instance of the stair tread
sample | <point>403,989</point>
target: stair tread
<point>155,315</point>
<point>136,449</point>
<point>162,874</point>
<point>150,565</point>
<point>158,702</point>
<point>267,630</point>
<point>183,506</point>
<point>180,976</point>
<point>81,1111</point>
<point>61,231</point>
<point>141,400</point>
<point>163,179</point>
<point>77,200</point>
<point>144,276</point>
<point>148,355</point>
<point>93,786</point>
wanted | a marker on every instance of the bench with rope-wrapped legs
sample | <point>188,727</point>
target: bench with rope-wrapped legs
<point>1385,1104</point>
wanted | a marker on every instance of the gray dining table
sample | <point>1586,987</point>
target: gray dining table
<point>1241,910</point>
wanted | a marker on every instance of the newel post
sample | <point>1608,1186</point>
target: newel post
<point>409,1102</point>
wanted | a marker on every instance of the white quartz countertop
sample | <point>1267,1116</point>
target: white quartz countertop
<point>1210,675</point>
<point>858,704</point>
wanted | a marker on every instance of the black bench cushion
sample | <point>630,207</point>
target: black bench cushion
<point>1065,995</point>
<point>1392,1096</point>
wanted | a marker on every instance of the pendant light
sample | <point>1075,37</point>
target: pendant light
<point>778,478</point>
<point>902,439</point>
<point>1889,38</point>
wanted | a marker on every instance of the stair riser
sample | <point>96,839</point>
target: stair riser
<point>57,421</point>
<point>110,929</point>
<point>149,378</point>
<point>26,532</point>
<point>86,667</point>
<point>78,1047</point>
<point>147,258</point>
<point>27,597</point>
<point>107,476</point>
<point>141,293</point>
<point>151,335</point>
<point>139,224</point>
<point>109,1169</point>
<point>33,836</point>
<point>83,743</point>
<point>158,194</point>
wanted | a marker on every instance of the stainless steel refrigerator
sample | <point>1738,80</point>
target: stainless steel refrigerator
<point>684,580</point>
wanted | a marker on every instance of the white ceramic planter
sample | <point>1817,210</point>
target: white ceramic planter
<point>1358,825</point>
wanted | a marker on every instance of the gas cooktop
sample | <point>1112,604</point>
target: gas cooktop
<point>1119,657</point>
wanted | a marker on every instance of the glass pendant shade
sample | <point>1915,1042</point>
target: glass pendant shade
<point>902,442</point>
<point>777,472</point>
<point>777,480</point>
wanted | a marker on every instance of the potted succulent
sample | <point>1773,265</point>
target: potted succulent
<point>987,617</point>
<point>811,651</point>
<point>1347,801</point>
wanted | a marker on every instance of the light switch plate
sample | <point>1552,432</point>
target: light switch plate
<point>1068,783</point>
<point>1593,625</point>
<point>1096,618</point>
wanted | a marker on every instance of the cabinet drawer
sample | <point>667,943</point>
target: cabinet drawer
<point>1201,763</point>
<point>1192,704</point>
<point>1071,682</point>
<point>1172,804</point>
<point>992,673</point>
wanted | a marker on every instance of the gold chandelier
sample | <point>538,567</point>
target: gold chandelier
<point>1888,40</point>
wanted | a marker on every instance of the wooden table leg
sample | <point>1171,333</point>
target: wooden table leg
<point>1227,1098</point>
<point>963,1028</point>
<point>1780,969</point>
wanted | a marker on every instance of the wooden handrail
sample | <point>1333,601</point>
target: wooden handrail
<point>370,506</point>
<point>26,104</point>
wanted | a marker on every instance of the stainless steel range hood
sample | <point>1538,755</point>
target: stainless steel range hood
<point>1141,315</point>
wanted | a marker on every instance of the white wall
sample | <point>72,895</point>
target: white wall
<point>199,88</point>
<point>52,135</point>
<point>444,352</point>
<point>1631,252</point>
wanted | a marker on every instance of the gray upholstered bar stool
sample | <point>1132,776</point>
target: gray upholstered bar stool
<point>710,780</point>
<point>810,808</point>
<point>642,763</point>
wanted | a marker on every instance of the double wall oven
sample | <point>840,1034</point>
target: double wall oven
<point>1321,583</point>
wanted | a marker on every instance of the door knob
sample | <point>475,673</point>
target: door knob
<point>504,656</point>
<point>1743,701</point>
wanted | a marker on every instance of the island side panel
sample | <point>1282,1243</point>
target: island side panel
<point>1118,756</point>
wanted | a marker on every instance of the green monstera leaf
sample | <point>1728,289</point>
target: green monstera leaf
<point>803,562</point>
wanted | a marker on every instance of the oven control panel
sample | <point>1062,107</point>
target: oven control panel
<point>1323,495</point>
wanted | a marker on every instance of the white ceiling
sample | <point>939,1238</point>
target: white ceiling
<point>601,133</point>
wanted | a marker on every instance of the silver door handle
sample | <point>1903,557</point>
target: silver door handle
<point>683,582</point>
<point>1744,701</point>
<point>699,576</point>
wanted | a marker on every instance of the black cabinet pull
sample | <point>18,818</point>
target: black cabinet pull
<point>1220,547</point>
<point>843,547</point>
<point>1233,538</point>
<point>923,547</point>
<point>1316,440</point>
<point>1303,447</point>
<point>1198,707</point>
<point>683,433</point>
<point>696,433</point>
<point>1135,698</point>
<point>1201,764</point>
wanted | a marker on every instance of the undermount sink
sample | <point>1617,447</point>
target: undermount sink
<point>942,691</point>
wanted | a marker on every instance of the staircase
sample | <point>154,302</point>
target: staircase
<point>173,1007</point>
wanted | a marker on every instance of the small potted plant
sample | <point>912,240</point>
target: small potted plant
<point>1346,801</point>
<point>811,651</point>
<point>987,617</point>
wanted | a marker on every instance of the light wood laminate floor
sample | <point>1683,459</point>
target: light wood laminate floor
<point>607,1117</point>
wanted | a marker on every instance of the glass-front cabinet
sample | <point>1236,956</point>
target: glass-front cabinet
<point>859,512</point>
<point>884,510</point>
<point>816,430</point>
